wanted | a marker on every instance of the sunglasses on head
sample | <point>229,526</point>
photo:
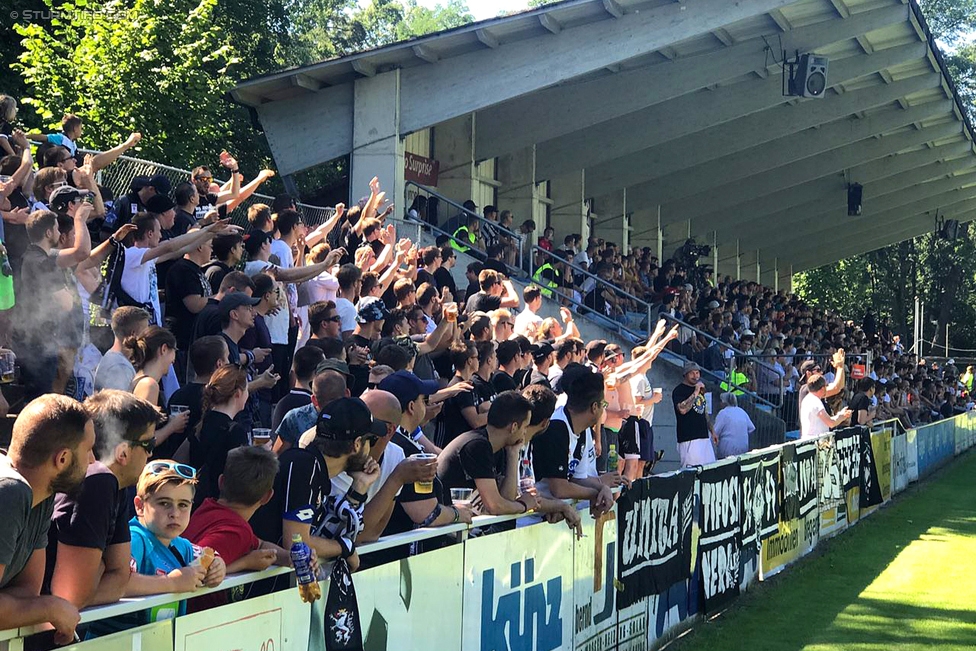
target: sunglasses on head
<point>181,469</point>
<point>149,445</point>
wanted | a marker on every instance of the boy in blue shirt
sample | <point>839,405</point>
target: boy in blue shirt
<point>162,561</point>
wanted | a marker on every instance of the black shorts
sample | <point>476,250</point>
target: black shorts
<point>637,439</point>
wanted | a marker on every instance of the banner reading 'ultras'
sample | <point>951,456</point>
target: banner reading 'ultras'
<point>720,541</point>
<point>654,535</point>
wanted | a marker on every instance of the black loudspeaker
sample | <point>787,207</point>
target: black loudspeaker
<point>854,191</point>
<point>950,230</point>
<point>811,76</point>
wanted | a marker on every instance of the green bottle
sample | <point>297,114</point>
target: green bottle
<point>6,281</point>
<point>613,460</point>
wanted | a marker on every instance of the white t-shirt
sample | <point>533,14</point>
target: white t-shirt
<point>641,389</point>
<point>115,371</point>
<point>140,282</point>
<point>347,311</point>
<point>810,424</point>
<point>527,323</point>
<point>277,324</point>
<point>322,288</point>
<point>392,456</point>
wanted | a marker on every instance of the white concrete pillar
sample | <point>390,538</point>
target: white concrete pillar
<point>377,146</point>
<point>785,278</point>
<point>674,236</point>
<point>454,150</point>
<point>610,222</point>
<point>770,274</point>
<point>749,267</point>
<point>568,214</point>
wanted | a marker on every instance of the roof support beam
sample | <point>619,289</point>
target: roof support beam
<point>710,112</point>
<point>613,8</point>
<point>425,53</point>
<point>306,82</point>
<point>563,109</point>
<point>913,200</point>
<point>486,38</point>
<point>920,226</point>
<point>550,23</point>
<point>829,189</point>
<point>687,182</point>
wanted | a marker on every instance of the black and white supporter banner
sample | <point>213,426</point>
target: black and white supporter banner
<point>654,536</point>
<point>721,515</point>
<point>759,476</point>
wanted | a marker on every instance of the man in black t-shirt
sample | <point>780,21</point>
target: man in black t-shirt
<point>206,355</point>
<point>228,250</point>
<point>495,293</point>
<point>509,362</point>
<point>208,319</point>
<point>543,357</point>
<point>862,411</point>
<point>470,461</point>
<point>187,291</point>
<point>187,200</point>
<point>88,543</point>
<point>443,276</point>
<point>303,366</point>
<point>691,420</point>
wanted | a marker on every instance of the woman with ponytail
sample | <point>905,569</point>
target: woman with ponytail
<point>217,434</point>
<point>152,353</point>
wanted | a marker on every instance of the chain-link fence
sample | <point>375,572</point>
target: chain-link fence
<point>118,177</point>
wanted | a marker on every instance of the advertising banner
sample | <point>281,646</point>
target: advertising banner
<point>899,462</point>
<point>936,445</point>
<point>417,599</point>
<point>721,516</point>
<point>911,454</point>
<point>595,570</point>
<point>157,636</point>
<point>654,521</point>
<point>799,523</point>
<point>274,622</point>
<point>518,591</point>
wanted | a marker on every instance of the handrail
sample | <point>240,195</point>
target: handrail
<point>494,225</point>
<point>600,281</point>
<point>752,394</point>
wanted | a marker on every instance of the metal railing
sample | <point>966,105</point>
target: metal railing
<point>118,177</point>
<point>639,332</point>
<point>517,238</point>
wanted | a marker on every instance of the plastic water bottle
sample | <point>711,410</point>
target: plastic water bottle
<point>613,460</point>
<point>526,480</point>
<point>301,558</point>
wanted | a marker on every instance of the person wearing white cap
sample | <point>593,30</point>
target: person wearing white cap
<point>691,420</point>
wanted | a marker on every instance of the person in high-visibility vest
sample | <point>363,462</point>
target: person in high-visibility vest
<point>546,277</point>
<point>465,234</point>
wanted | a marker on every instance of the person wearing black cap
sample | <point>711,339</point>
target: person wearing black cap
<point>236,316</point>
<point>472,461</point>
<point>303,500</point>
<point>691,420</point>
<point>126,208</point>
<point>543,357</point>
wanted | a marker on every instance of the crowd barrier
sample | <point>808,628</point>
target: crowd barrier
<point>674,548</point>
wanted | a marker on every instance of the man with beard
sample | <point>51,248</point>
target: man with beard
<point>50,450</point>
<point>329,523</point>
<point>88,550</point>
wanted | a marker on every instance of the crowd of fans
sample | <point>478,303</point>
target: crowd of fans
<point>196,393</point>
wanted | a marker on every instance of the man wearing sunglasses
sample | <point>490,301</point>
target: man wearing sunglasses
<point>88,543</point>
<point>303,501</point>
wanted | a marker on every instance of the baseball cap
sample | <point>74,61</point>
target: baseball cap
<point>689,367</point>
<point>542,350</point>
<point>407,387</point>
<point>333,365</point>
<point>159,204</point>
<point>808,365</point>
<point>748,333</point>
<point>347,419</point>
<point>371,309</point>
<point>713,305</point>
<point>235,300</point>
<point>161,183</point>
<point>63,196</point>
<point>596,344</point>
